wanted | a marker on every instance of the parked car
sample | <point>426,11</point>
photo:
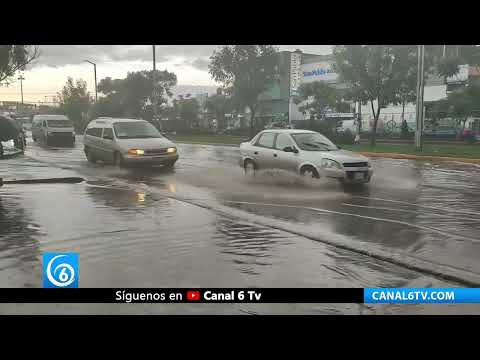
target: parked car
<point>128,141</point>
<point>25,122</point>
<point>276,125</point>
<point>10,130</point>
<point>53,129</point>
<point>304,152</point>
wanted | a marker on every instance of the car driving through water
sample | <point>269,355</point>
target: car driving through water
<point>128,141</point>
<point>304,152</point>
<point>53,129</point>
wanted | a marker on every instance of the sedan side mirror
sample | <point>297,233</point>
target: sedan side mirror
<point>290,149</point>
<point>108,137</point>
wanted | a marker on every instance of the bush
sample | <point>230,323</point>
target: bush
<point>470,139</point>
<point>237,132</point>
<point>325,128</point>
<point>345,138</point>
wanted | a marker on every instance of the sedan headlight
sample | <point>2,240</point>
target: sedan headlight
<point>327,163</point>
<point>369,165</point>
<point>136,152</point>
<point>171,150</point>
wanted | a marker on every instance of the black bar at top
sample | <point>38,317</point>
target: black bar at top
<point>107,295</point>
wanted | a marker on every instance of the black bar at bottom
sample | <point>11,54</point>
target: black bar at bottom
<point>182,295</point>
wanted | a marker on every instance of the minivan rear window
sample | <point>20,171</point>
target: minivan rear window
<point>59,123</point>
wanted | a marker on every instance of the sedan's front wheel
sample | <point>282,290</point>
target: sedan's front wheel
<point>118,159</point>
<point>89,155</point>
<point>310,172</point>
<point>249,168</point>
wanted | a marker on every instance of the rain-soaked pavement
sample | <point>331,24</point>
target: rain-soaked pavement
<point>205,224</point>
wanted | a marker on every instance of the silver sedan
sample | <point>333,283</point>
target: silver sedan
<point>305,152</point>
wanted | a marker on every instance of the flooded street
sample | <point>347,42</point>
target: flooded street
<point>204,224</point>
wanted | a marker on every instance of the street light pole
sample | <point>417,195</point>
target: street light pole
<point>154,91</point>
<point>21,78</point>
<point>420,88</point>
<point>95,73</point>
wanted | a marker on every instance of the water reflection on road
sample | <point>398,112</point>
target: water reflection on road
<point>132,231</point>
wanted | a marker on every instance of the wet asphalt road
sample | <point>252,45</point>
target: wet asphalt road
<point>206,225</point>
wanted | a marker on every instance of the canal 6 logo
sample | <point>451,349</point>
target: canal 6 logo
<point>60,270</point>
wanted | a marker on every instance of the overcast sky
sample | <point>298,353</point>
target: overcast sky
<point>49,73</point>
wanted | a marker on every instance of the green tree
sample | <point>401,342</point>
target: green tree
<point>459,105</point>
<point>375,72</point>
<point>406,74</point>
<point>133,96</point>
<point>318,98</point>
<point>220,105</point>
<point>75,102</point>
<point>14,58</point>
<point>187,110</point>
<point>448,63</point>
<point>247,71</point>
<point>462,104</point>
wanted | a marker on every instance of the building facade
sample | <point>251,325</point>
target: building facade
<point>295,68</point>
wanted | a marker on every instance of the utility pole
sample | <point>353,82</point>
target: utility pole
<point>154,91</point>
<point>21,78</point>
<point>359,118</point>
<point>95,74</point>
<point>420,88</point>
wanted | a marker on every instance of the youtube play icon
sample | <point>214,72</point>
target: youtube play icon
<point>193,295</point>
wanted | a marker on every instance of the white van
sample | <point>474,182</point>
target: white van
<point>128,142</point>
<point>51,129</point>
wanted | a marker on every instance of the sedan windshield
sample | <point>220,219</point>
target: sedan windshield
<point>136,130</point>
<point>59,123</point>
<point>314,142</point>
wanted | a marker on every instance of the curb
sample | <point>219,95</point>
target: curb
<point>419,157</point>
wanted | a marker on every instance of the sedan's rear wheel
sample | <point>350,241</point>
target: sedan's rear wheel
<point>249,168</point>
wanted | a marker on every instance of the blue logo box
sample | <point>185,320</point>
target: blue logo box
<point>60,270</point>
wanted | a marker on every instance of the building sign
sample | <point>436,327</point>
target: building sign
<point>434,93</point>
<point>295,72</point>
<point>460,77</point>
<point>321,71</point>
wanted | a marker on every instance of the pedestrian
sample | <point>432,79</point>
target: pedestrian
<point>357,139</point>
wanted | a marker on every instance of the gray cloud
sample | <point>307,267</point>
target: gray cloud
<point>196,56</point>
<point>200,63</point>
<point>60,55</point>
